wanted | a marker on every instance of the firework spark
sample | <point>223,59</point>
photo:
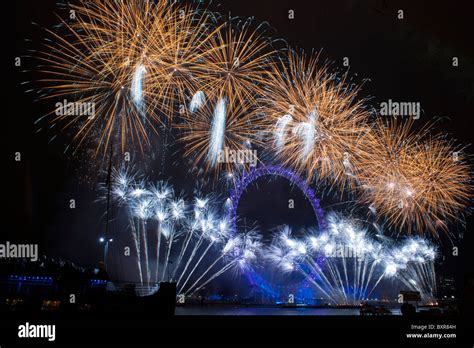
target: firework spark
<point>234,64</point>
<point>346,264</point>
<point>221,115</point>
<point>217,131</point>
<point>222,136</point>
<point>197,101</point>
<point>102,60</point>
<point>417,182</point>
<point>316,123</point>
<point>178,57</point>
<point>186,238</point>
<point>412,263</point>
<point>133,60</point>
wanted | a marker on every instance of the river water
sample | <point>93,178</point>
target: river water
<point>242,310</point>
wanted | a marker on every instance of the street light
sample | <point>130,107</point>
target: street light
<point>106,247</point>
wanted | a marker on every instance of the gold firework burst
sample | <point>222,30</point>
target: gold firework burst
<point>417,182</point>
<point>132,60</point>
<point>178,57</point>
<point>221,118</point>
<point>314,119</point>
<point>234,64</point>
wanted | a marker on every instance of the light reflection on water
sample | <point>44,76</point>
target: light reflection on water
<point>241,310</point>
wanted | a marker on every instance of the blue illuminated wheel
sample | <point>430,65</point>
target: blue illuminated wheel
<point>275,291</point>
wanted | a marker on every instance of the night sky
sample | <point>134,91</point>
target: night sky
<point>402,60</point>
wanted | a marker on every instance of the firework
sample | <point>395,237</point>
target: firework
<point>132,60</point>
<point>234,63</point>
<point>417,182</point>
<point>314,119</point>
<point>412,263</point>
<point>140,63</point>
<point>222,136</point>
<point>340,263</point>
<point>240,254</point>
<point>220,119</point>
<point>178,57</point>
<point>102,60</point>
<point>197,101</point>
<point>188,236</point>
<point>346,264</point>
<point>343,262</point>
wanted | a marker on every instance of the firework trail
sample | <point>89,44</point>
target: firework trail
<point>221,116</point>
<point>191,237</point>
<point>214,130</point>
<point>281,129</point>
<point>346,265</point>
<point>241,253</point>
<point>137,85</point>
<point>197,101</point>
<point>307,130</point>
<point>217,131</point>
<point>413,264</point>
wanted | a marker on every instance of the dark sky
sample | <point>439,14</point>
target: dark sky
<point>405,60</point>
